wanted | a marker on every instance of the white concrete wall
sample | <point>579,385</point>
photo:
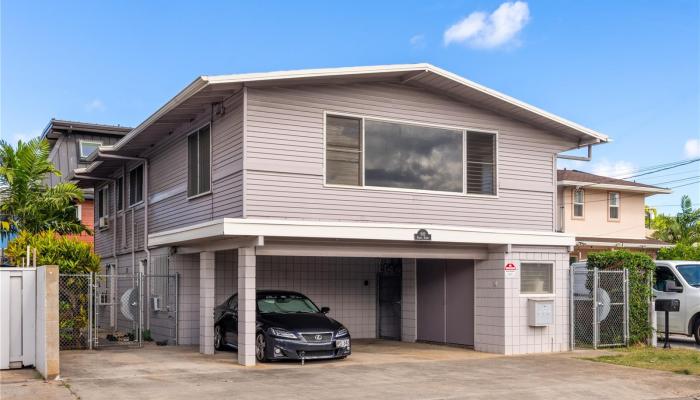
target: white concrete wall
<point>501,321</point>
<point>335,282</point>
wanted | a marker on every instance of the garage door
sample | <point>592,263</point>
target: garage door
<point>446,301</point>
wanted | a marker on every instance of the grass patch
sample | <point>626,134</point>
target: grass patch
<point>680,361</point>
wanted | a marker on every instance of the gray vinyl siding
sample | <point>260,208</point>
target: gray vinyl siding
<point>65,154</point>
<point>169,207</point>
<point>284,160</point>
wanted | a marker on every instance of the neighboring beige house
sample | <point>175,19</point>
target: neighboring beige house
<point>604,213</point>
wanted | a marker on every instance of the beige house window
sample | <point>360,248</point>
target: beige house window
<point>537,278</point>
<point>579,197</point>
<point>614,206</point>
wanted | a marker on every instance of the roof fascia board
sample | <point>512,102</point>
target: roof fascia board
<point>611,186</point>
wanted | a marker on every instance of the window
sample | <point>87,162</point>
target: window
<point>578,203</point>
<point>413,157</point>
<point>136,185</point>
<point>343,150</point>
<point>120,193</point>
<point>481,163</point>
<point>536,278</point>
<point>666,280</point>
<point>102,202</point>
<point>79,212</point>
<point>613,206</point>
<point>198,162</point>
<point>372,153</point>
<point>87,147</point>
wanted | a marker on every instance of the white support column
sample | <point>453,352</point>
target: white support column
<point>246,306</point>
<point>409,309</point>
<point>207,274</point>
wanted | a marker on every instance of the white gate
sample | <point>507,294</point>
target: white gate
<point>17,317</point>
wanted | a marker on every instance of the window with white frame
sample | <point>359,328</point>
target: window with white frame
<point>120,193</point>
<point>87,147</point>
<point>613,206</point>
<point>199,162</point>
<point>136,185</point>
<point>579,197</point>
<point>102,202</point>
<point>375,153</point>
<point>537,278</point>
<point>79,212</point>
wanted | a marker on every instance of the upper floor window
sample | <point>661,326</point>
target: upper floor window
<point>579,197</point>
<point>373,153</point>
<point>102,202</point>
<point>136,185</point>
<point>88,147</point>
<point>613,206</point>
<point>199,162</point>
<point>120,193</point>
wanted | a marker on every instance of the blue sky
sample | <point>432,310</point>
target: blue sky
<point>627,69</point>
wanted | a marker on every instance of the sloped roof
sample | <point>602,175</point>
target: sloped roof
<point>206,90</point>
<point>572,177</point>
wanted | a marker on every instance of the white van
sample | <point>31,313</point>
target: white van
<point>679,280</point>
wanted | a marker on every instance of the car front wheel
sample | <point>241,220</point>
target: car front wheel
<point>218,340</point>
<point>696,332</point>
<point>260,347</point>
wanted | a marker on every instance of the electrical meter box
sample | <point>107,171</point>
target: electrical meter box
<point>540,312</point>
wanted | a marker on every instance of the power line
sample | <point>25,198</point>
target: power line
<point>676,180</point>
<point>687,184</point>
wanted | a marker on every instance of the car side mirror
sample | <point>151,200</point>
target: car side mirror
<point>325,310</point>
<point>672,287</point>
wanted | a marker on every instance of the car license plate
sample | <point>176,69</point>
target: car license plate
<point>342,343</point>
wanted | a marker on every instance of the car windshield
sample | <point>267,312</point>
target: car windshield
<point>285,304</point>
<point>691,273</point>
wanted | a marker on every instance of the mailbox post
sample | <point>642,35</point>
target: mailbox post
<point>667,305</point>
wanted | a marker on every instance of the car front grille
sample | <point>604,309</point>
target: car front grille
<point>324,337</point>
<point>316,354</point>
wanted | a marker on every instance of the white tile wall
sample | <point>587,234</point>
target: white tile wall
<point>335,282</point>
<point>188,313</point>
<point>501,311</point>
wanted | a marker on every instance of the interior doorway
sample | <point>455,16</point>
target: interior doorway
<point>389,299</point>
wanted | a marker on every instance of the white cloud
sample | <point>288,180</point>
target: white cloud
<point>692,148</point>
<point>417,41</point>
<point>617,169</point>
<point>95,105</point>
<point>482,30</point>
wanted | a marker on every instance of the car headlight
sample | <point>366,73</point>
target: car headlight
<point>282,333</point>
<point>341,332</point>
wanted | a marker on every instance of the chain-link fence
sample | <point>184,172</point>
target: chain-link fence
<point>75,311</point>
<point>600,310</point>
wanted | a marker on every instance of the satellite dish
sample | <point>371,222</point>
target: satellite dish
<point>603,304</point>
<point>129,304</point>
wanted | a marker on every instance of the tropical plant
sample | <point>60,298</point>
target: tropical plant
<point>682,228</point>
<point>26,201</point>
<point>71,255</point>
<point>680,252</point>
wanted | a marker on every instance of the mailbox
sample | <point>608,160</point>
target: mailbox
<point>670,305</point>
<point>540,312</point>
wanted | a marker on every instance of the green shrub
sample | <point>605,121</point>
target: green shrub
<point>71,255</point>
<point>640,272</point>
<point>680,252</point>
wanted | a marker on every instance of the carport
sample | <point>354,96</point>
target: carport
<point>440,285</point>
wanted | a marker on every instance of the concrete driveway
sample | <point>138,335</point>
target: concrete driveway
<point>377,369</point>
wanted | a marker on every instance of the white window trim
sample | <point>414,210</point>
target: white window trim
<point>539,295</point>
<point>80,147</point>
<point>574,204</point>
<point>618,206</point>
<point>211,161</point>
<point>128,198</point>
<point>463,129</point>
<point>104,188</point>
<point>79,212</point>
<point>116,193</point>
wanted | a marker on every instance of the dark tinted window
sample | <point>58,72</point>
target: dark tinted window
<point>481,163</point>
<point>199,162</point>
<point>663,275</point>
<point>343,150</point>
<point>136,185</point>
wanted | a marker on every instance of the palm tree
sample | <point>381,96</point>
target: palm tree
<point>683,228</point>
<point>26,201</point>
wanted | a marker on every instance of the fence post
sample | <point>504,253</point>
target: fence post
<point>572,311</point>
<point>627,306</point>
<point>595,308</point>
<point>177,308</point>
<point>91,307</point>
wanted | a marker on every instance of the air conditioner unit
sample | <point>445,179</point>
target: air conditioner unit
<point>156,303</point>
<point>104,222</point>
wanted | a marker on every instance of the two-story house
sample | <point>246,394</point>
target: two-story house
<point>604,213</point>
<point>71,142</point>
<point>316,180</point>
